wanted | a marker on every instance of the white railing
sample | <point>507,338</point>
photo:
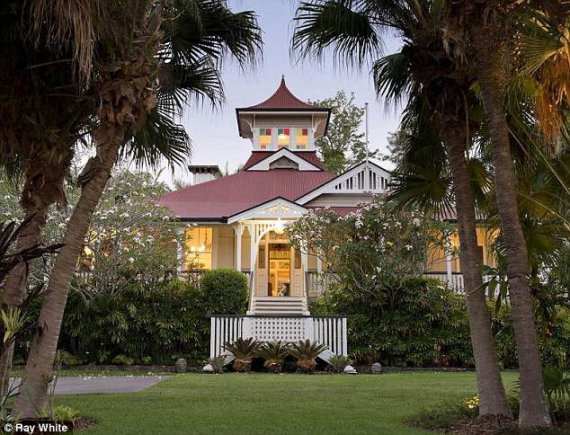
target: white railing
<point>454,281</point>
<point>330,331</point>
<point>317,283</point>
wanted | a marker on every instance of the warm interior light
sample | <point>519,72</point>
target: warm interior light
<point>202,248</point>
<point>282,136</point>
<point>279,227</point>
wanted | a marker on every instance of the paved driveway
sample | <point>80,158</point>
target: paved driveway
<point>104,384</point>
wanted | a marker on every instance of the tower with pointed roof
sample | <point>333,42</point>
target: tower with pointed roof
<point>283,121</point>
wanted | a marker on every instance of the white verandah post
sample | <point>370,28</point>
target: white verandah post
<point>448,259</point>
<point>238,230</point>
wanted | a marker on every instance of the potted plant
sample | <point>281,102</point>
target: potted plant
<point>273,353</point>
<point>243,350</point>
<point>306,354</point>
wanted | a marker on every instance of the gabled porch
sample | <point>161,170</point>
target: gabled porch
<point>277,270</point>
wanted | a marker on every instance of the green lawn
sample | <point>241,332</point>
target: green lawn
<point>276,404</point>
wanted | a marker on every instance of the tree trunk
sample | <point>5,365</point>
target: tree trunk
<point>39,367</point>
<point>492,398</point>
<point>490,58</point>
<point>42,188</point>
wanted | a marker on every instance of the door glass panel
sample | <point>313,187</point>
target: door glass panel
<point>261,257</point>
<point>297,259</point>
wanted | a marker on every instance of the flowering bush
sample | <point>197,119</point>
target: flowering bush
<point>379,255</point>
<point>377,243</point>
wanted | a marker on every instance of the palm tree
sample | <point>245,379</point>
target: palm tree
<point>39,81</point>
<point>146,72</point>
<point>487,40</point>
<point>430,79</point>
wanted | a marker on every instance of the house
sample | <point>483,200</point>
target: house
<point>237,221</point>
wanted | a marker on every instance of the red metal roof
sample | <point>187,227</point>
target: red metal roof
<point>283,99</point>
<point>227,196</point>
<point>309,156</point>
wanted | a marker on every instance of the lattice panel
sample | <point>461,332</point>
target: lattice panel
<point>278,328</point>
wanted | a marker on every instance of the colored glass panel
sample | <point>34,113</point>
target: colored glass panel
<point>283,137</point>
<point>302,138</point>
<point>264,138</point>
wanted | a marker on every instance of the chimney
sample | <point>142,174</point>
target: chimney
<point>203,173</point>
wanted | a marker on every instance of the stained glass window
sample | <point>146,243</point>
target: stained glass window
<point>302,138</point>
<point>264,138</point>
<point>283,137</point>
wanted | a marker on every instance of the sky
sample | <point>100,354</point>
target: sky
<point>214,132</point>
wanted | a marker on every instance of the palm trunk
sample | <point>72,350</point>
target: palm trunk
<point>15,289</point>
<point>38,194</point>
<point>490,57</point>
<point>33,392</point>
<point>492,398</point>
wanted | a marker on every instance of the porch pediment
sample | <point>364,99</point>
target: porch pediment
<point>278,208</point>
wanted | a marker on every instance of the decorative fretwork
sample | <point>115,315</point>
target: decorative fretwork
<point>278,328</point>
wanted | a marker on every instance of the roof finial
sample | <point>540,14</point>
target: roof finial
<point>282,78</point>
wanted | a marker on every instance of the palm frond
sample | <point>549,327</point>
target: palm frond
<point>209,28</point>
<point>392,77</point>
<point>339,25</point>
<point>160,139</point>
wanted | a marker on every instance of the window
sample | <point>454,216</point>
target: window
<point>283,137</point>
<point>199,248</point>
<point>302,138</point>
<point>264,138</point>
<point>297,259</point>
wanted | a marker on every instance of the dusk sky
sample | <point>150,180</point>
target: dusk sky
<point>214,132</point>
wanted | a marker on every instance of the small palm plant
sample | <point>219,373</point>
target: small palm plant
<point>337,363</point>
<point>274,353</point>
<point>243,350</point>
<point>306,354</point>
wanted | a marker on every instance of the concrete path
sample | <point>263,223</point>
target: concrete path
<point>104,384</point>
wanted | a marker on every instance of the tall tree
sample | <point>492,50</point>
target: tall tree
<point>344,145</point>
<point>144,59</point>
<point>484,31</point>
<point>38,79</point>
<point>432,80</point>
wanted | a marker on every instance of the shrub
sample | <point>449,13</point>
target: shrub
<point>554,342</point>
<point>243,350</point>
<point>337,363</point>
<point>306,354</point>
<point>224,291</point>
<point>418,322</point>
<point>274,354</point>
<point>65,414</point>
<point>123,360</point>
<point>155,323</point>
<point>218,363</point>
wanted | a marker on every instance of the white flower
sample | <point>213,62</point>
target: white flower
<point>131,260</point>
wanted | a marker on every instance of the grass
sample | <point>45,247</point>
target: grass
<point>277,404</point>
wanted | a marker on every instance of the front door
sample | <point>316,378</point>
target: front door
<point>279,282</point>
<point>279,270</point>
